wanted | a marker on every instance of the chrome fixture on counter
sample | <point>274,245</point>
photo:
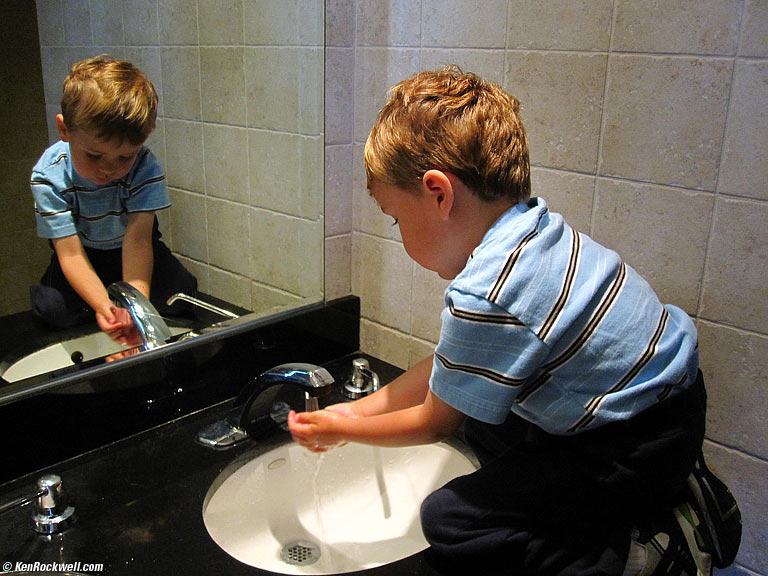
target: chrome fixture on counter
<point>253,413</point>
<point>363,381</point>
<point>150,325</point>
<point>53,514</point>
<point>201,304</point>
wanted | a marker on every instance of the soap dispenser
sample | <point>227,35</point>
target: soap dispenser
<point>363,380</point>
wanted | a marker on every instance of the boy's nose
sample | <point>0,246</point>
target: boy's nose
<point>108,167</point>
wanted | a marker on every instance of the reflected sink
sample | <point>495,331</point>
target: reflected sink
<point>356,507</point>
<point>65,354</point>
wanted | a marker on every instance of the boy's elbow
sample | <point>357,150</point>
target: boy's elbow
<point>441,419</point>
<point>438,436</point>
<point>441,431</point>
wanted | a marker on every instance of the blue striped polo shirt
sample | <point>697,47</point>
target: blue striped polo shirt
<point>67,204</point>
<point>547,323</point>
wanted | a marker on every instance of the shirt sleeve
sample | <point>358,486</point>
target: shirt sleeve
<point>53,213</point>
<point>148,191</point>
<point>483,358</point>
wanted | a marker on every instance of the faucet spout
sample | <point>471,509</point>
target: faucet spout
<point>150,325</point>
<point>258,396</point>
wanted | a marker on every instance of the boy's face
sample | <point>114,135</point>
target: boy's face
<point>97,160</point>
<point>414,214</point>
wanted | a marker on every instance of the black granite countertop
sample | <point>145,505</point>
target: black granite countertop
<point>139,503</point>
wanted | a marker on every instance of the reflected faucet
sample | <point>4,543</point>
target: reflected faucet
<point>254,412</point>
<point>201,304</point>
<point>152,329</point>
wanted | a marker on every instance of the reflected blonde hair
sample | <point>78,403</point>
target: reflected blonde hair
<point>109,99</point>
<point>455,122</point>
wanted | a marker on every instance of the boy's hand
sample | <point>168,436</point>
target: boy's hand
<point>122,354</point>
<point>316,431</point>
<point>118,324</point>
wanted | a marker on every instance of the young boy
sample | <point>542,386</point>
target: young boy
<point>579,392</point>
<point>96,192</point>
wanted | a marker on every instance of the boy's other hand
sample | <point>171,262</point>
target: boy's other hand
<point>345,409</point>
<point>316,431</point>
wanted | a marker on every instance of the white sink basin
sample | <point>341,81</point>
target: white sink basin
<point>356,507</point>
<point>62,354</point>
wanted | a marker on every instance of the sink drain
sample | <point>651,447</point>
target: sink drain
<point>300,553</point>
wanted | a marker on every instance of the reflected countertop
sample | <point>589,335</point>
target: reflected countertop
<point>139,503</point>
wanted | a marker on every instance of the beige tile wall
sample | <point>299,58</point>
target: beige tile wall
<point>240,129</point>
<point>648,127</point>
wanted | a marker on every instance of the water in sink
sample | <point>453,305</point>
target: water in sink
<point>356,507</point>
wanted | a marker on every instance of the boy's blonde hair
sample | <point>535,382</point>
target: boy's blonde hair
<point>109,99</point>
<point>455,122</point>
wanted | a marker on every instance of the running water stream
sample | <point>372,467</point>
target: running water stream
<point>311,405</point>
<point>322,535</point>
<point>316,461</point>
<point>381,482</point>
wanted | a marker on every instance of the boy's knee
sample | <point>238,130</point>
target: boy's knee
<point>48,305</point>
<point>439,520</point>
<point>456,546</point>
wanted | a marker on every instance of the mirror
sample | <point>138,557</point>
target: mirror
<point>239,132</point>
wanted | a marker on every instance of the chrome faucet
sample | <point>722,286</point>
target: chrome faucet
<point>255,410</point>
<point>201,304</point>
<point>152,329</point>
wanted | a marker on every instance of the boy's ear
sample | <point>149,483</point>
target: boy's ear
<point>439,187</point>
<point>62,128</point>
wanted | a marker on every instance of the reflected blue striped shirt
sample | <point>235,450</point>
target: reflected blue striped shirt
<point>67,204</point>
<point>546,323</point>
